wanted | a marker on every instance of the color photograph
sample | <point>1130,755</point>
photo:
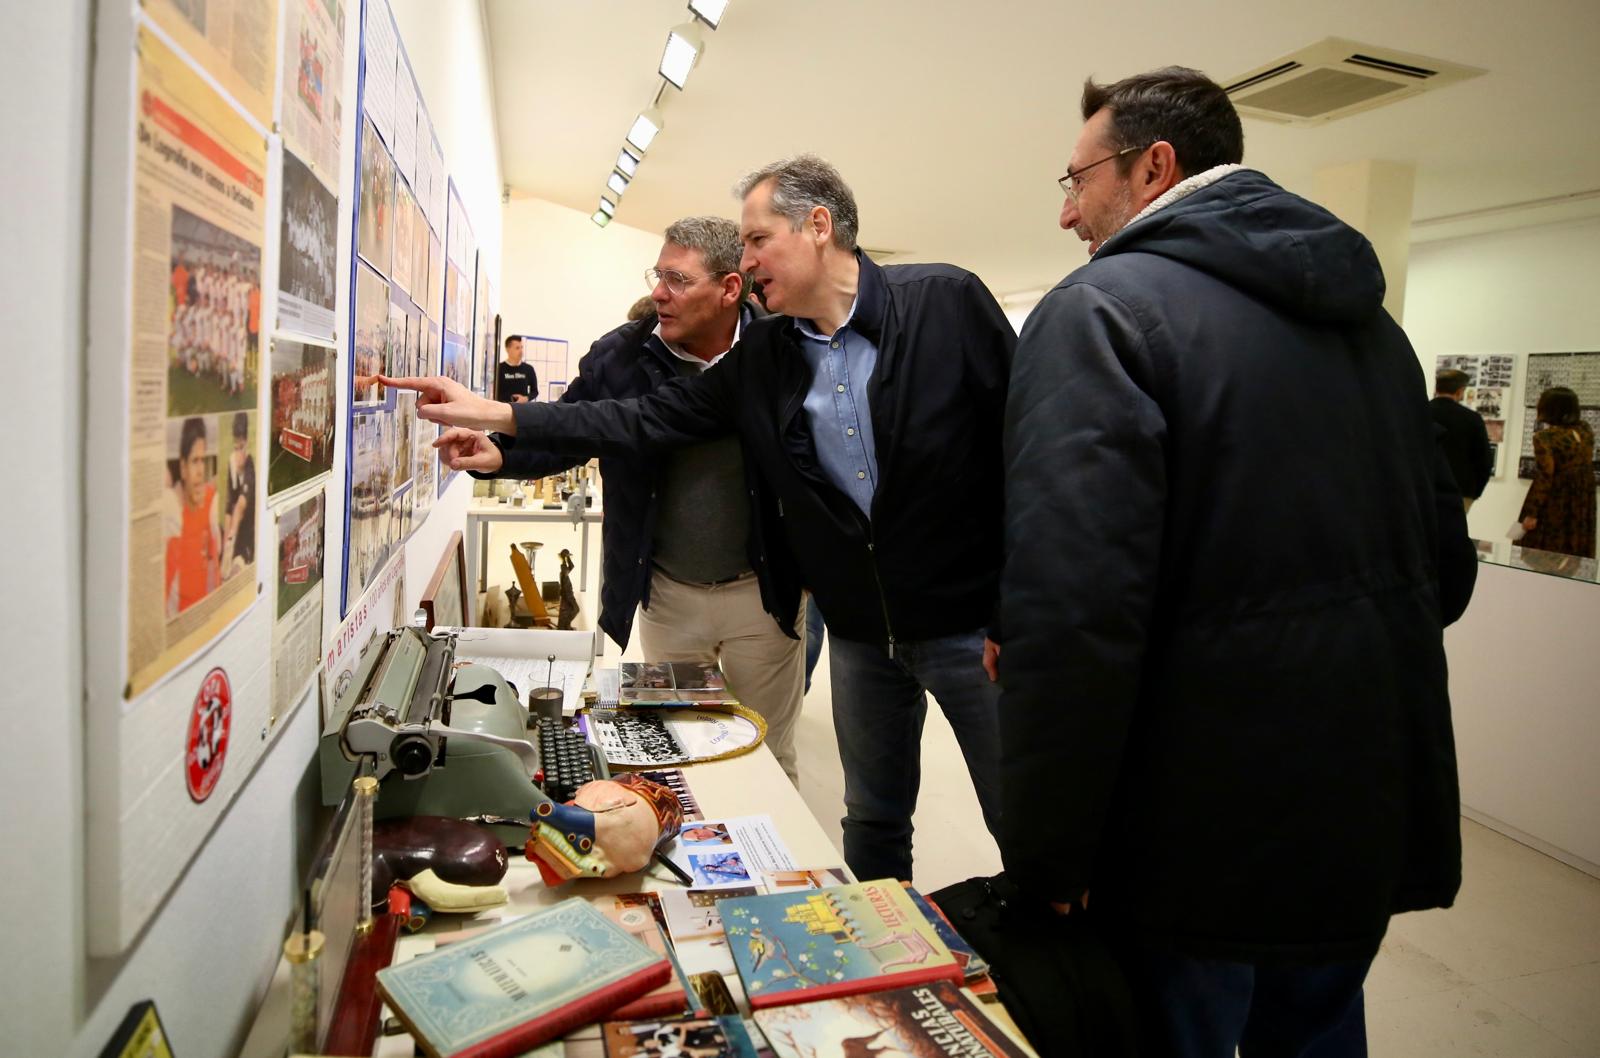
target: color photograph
<point>301,441</point>
<point>372,337</point>
<point>300,549</point>
<point>214,325</point>
<point>375,234</point>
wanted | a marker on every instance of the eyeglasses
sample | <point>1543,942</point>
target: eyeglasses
<point>677,282</point>
<point>1074,180</point>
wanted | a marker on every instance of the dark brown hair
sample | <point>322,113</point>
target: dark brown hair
<point>1558,406</point>
<point>1182,106</point>
<point>1450,381</point>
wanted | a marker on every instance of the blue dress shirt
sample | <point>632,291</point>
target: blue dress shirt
<point>836,407</point>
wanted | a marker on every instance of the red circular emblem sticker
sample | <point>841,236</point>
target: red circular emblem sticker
<point>209,724</point>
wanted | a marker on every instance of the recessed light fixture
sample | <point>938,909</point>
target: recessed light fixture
<point>684,48</point>
<point>617,183</point>
<point>709,11</point>
<point>627,163</point>
<point>645,128</point>
<point>607,206</point>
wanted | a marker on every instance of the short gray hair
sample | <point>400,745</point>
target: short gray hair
<point>717,239</point>
<point>801,184</point>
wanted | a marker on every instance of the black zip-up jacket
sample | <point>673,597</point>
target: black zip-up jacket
<point>1233,546</point>
<point>620,364</point>
<point>927,563</point>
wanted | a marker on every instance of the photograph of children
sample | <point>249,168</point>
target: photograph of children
<point>193,528</point>
<point>375,231</point>
<point>705,834</point>
<point>405,212</point>
<point>239,512</point>
<point>369,503</point>
<point>301,440</point>
<point>372,337</point>
<point>300,543</point>
<point>214,321</point>
<point>306,269</point>
<point>718,868</point>
<point>686,1037</point>
<point>457,360</point>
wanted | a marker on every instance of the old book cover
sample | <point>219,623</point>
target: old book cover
<point>934,1020</point>
<point>506,991</point>
<point>701,1037</point>
<point>867,936</point>
<point>640,914</point>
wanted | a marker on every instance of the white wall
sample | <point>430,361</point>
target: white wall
<point>1525,291</point>
<point>567,278</point>
<point>1523,675</point>
<point>206,956</point>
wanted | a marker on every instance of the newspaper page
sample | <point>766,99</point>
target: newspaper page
<point>405,119</point>
<point>308,256</point>
<point>313,79</point>
<point>235,41</point>
<point>297,622</point>
<point>381,48</point>
<point>300,442</point>
<point>193,399</point>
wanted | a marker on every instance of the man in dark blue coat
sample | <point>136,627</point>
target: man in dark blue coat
<point>1232,549</point>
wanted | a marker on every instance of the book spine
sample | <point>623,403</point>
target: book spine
<point>880,983</point>
<point>591,1008</point>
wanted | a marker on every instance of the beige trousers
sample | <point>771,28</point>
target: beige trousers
<point>725,623</point>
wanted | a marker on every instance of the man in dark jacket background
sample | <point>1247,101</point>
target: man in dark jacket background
<point>1225,707</point>
<point>874,398</point>
<point>681,537</point>
<point>1465,439</point>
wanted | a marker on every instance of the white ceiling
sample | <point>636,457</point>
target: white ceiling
<point>952,120</point>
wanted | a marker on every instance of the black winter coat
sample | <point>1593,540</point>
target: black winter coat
<point>927,563</point>
<point>1232,550</point>
<point>620,364</point>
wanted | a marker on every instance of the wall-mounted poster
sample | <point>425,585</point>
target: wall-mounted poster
<point>297,618</point>
<point>307,259</point>
<point>235,41</point>
<point>405,217</point>
<point>199,184</point>
<point>380,44</point>
<point>457,363</point>
<point>372,337</point>
<point>312,111</point>
<point>370,470</point>
<point>375,226</point>
<point>300,446</point>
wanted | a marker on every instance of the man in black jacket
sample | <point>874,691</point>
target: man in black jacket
<point>1225,707</point>
<point>871,411</point>
<point>1465,439</point>
<point>678,527</point>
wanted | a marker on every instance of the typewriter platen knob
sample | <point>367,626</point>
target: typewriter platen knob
<point>412,755</point>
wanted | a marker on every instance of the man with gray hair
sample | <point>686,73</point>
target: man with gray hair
<point>679,536</point>
<point>871,409</point>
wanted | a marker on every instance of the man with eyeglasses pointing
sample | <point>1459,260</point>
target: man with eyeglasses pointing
<point>679,537</point>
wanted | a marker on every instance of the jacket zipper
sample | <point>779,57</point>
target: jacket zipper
<point>883,600</point>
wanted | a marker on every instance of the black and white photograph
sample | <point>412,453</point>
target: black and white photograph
<point>307,265</point>
<point>300,446</point>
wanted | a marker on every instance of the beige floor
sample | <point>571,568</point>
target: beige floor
<point>1512,970</point>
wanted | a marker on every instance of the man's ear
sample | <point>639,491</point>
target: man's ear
<point>1159,171</point>
<point>732,288</point>
<point>821,224</point>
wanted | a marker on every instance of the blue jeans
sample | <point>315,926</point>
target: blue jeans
<point>814,632</point>
<point>1205,1008</point>
<point>879,704</point>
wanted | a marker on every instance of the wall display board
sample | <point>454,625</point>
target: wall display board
<point>549,359</point>
<point>1490,381</point>
<point>235,41</point>
<point>1579,372</point>
<point>297,610</point>
<point>312,107</point>
<point>300,437</point>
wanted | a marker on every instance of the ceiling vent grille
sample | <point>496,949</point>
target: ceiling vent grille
<point>1335,78</point>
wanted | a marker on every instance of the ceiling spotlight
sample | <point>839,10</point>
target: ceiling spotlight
<point>684,48</point>
<point>709,11</point>
<point>617,183</point>
<point>607,206</point>
<point>627,163</point>
<point>601,218</point>
<point>644,130</point>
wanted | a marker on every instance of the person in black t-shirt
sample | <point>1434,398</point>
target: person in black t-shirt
<point>515,382</point>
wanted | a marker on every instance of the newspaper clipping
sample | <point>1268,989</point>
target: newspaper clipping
<point>193,398</point>
<point>297,622</point>
<point>307,261</point>
<point>313,78</point>
<point>300,445</point>
<point>235,41</point>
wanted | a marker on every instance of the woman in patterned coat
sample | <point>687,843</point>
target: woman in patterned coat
<point>1559,512</point>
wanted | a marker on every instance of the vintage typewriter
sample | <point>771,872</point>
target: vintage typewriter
<point>444,737</point>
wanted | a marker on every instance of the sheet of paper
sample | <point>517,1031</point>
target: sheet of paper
<point>297,619</point>
<point>381,44</point>
<point>724,852</point>
<point>311,106</point>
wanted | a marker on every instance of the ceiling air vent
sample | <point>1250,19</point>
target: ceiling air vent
<point>1335,78</point>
